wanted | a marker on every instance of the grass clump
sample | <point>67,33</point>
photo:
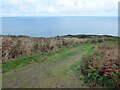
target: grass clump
<point>18,62</point>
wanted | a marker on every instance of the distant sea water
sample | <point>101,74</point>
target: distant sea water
<point>57,26</point>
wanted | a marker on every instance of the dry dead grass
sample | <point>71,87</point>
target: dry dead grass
<point>14,46</point>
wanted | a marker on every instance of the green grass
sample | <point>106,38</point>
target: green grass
<point>66,52</point>
<point>25,59</point>
<point>18,62</point>
<point>88,48</point>
<point>62,53</point>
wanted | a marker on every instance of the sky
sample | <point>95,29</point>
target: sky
<point>59,7</point>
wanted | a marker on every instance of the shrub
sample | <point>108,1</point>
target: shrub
<point>102,68</point>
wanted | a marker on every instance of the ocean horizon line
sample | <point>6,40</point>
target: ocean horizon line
<point>64,16</point>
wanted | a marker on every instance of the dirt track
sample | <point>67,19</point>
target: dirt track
<point>51,73</point>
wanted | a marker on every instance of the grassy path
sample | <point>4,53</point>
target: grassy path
<point>53,72</point>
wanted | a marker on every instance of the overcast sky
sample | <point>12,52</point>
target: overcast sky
<point>59,7</point>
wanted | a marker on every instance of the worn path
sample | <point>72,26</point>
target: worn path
<point>54,72</point>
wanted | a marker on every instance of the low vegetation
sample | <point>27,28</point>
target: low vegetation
<point>23,60</point>
<point>15,46</point>
<point>101,69</point>
<point>99,66</point>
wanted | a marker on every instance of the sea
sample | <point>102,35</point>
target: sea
<point>58,26</point>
